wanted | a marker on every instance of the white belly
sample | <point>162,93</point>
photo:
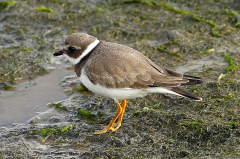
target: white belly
<point>123,93</point>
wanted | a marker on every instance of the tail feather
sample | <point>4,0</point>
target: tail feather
<point>185,93</point>
<point>192,80</point>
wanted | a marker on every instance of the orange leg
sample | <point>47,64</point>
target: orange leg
<point>110,125</point>
<point>123,105</point>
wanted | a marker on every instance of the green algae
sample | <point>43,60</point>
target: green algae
<point>81,88</point>
<point>146,108</point>
<point>6,86</point>
<point>58,106</point>
<point>211,23</point>
<point>44,9</point>
<point>214,33</point>
<point>230,61</point>
<point>86,115</point>
<point>44,132</point>
<point>162,47</point>
<point>192,126</point>
<point>5,4</point>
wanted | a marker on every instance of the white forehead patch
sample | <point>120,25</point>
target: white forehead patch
<point>75,61</point>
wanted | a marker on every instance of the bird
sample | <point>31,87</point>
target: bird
<point>120,72</point>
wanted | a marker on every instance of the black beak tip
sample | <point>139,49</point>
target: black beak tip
<point>58,53</point>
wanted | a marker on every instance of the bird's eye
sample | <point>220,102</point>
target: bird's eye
<point>71,49</point>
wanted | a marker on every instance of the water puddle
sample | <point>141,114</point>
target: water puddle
<point>31,97</point>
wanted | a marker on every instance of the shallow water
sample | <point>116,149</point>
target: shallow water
<point>31,97</point>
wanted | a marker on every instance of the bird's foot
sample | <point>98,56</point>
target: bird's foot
<point>119,115</point>
<point>113,128</point>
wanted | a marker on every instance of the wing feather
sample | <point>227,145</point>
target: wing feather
<point>118,68</point>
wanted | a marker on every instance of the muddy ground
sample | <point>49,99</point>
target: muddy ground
<point>200,38</point>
